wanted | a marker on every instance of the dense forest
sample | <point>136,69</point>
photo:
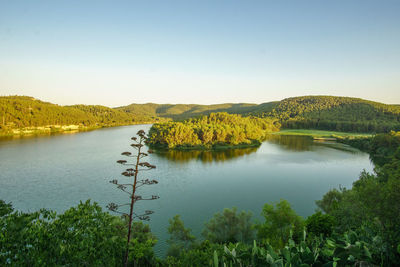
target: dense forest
<point>335,113</point>
<point>21,112</point>
<point>186,111</point>
<point>354,227</point>
<point>306,112</point>
<point>210,131</point>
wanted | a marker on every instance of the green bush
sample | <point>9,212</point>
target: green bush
<point>320,224</point>
<point>81,236</point>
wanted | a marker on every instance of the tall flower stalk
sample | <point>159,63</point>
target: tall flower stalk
<point>130,188</point>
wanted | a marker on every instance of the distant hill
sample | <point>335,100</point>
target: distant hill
<point>185,111</point>
<point>311,112</point>
<point>335,113</point>
<point>24,111</point>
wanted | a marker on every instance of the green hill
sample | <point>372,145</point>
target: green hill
<point>305,112</point>
<point>18,112</point>
<point>185,111</point>
<point>336,113</point>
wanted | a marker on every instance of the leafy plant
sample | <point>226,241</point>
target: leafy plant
<point>344,250</point>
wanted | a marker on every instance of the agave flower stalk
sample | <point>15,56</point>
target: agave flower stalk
<point>130,188</point>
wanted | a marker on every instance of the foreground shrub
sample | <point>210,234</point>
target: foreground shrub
<point>82,236</point>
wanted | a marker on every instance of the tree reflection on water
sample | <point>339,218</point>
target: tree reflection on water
<point>306,143</point>
<point>206,156</point>
<point>292,142</point>
<point>287,142</point>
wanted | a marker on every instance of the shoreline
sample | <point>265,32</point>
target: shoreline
<point>216,147</point>
<point>323,134</point>
<point>48,130</point>
<point>57,129</point>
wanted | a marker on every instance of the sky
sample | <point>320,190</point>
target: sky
<point>114,53</point>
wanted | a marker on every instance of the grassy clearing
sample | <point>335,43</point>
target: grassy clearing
<point>322,134</point>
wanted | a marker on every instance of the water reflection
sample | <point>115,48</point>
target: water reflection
<point>205,156</point>
<point>285,142</point>
<point>292,142</point>
<point>306,143</point>
<point>17,138</point>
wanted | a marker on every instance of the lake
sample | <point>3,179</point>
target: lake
<point>56,172</point>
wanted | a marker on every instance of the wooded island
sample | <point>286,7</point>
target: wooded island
<point>217,130</point>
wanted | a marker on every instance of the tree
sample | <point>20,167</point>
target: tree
<point>142,243</point>
<point>130,188</point>
<point>216,129</point>
<point>330,200</point>
<point>280,222</point>
<point>82,236</point>
<point>371,207</point>
<point>5,208</point>
<point>181,238</point>
<point>230,226</point>
<point>319,223</point>
<point>86,236</point>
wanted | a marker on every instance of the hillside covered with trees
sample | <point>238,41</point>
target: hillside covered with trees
<point>305,112</point>
<point>18,112</point>
<point>335,113</point>
<point>216,129</point>
<point>186,111</point>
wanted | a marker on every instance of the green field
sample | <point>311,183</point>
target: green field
<point>323,134</point>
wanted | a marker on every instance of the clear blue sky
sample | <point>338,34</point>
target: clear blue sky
<point>119,52</point>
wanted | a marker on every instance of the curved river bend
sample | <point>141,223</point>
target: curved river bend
<point>56,172</point>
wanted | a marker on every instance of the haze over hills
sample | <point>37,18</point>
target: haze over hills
<point>318,112</point>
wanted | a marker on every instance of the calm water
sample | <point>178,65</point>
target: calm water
<point>55,172</point>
